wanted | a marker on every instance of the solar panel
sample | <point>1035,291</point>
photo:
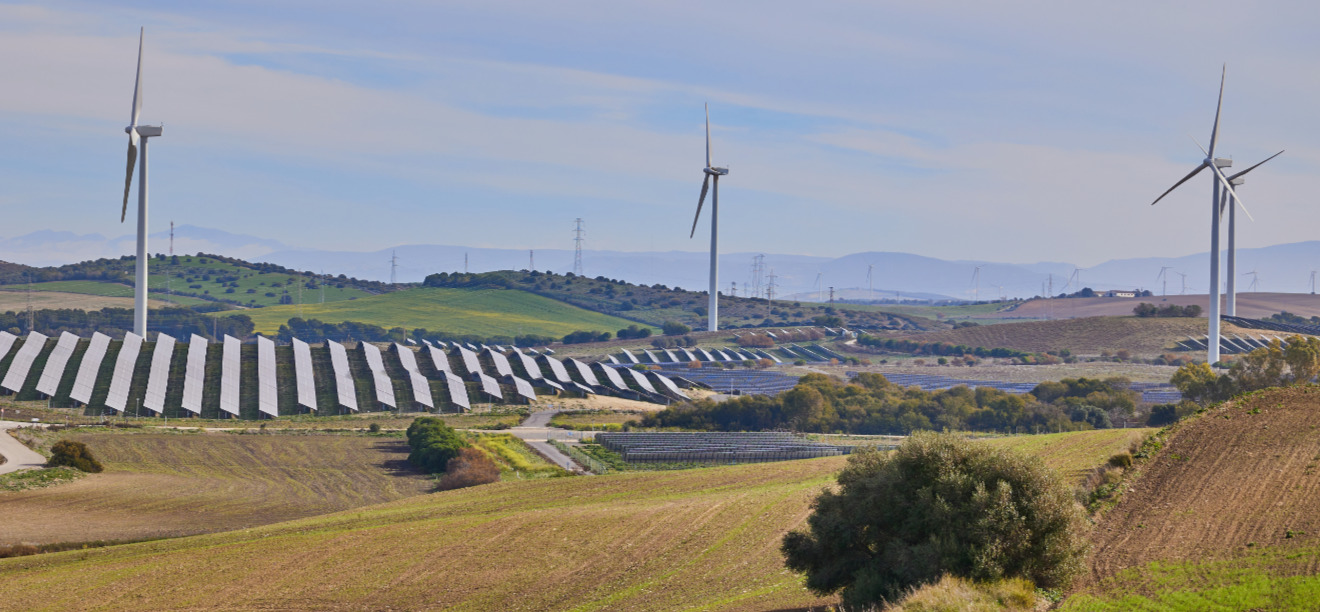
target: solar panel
<point>440,359</point>
<point>628,356</point>
<point>584,372</point>
<point>502,367</point>
<point>612,359</point>
<point>641,380</point>
<point>524,388</point>
<point>123,377</point>
<point>159,377</point>
<point>384,388</point>
<point>673,357</point>
<point>457,391</point>
<point>668,386</point>
<point>6,342</point>
<point>229,373</point>
<point>470,361</point>
<point>489,385</point>
<point>268,393</point>
<point>529,364</point>
<point>612,375</point>
<point>85,382</point>
<point>22,363</point>
<point>56,363</point>
<point>557,369</point>
<point>406,357</point>
<point>343,377</point>
<point>304,375</point>
<point>195,375</point>
<point>421,388</point>
<point>705,355</point>
<point>722,355</point>
<point>410,341</point>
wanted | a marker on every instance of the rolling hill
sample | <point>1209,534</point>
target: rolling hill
<point>482,312</point>
<point>705,538</point>
<point>1087,336</point>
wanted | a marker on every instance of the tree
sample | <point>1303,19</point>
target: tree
<point>673,328</point>
<point>940,504</point>
<point>433,444</point>
<point>1198,383</point>
<point>75,455</point>
<point>470,468</point>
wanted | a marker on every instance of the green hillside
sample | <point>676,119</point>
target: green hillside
<point>482,312</point>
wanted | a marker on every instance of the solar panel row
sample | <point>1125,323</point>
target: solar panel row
<point>22,363</point>
<point>85,382</point>
<point>267,387</point>
<point>229,373</point>
<point>381,380</point>
<point>195,375</point>
<point>56,364</point>
<point>159,377</point>
<point>304,375</point>
<point>344,386</point>
<point>123,376</point>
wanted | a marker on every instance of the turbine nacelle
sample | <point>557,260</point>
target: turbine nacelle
<point>1221,162</point>
<point>715,171</point>
<point>145,131</point>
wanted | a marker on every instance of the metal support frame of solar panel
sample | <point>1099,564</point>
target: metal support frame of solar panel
<point>117,399</point>
<point>557,370</point>
<point>194,375</point>
<point>231,355</point>
<point>304,375</point>
<point>501,363</point>
<point>381,380</point>
<point>471,364</point>
<point>58,361</point>
<point>421,387</point>
<point>458,394</point>
<point>159,376</point>
<point>22,362</point>
<point>85,381</point>
<point>345,388</point>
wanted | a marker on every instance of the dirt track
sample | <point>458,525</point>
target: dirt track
<point>1224,480</point>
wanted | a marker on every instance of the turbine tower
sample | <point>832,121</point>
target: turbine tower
<point>1165,277</point>
<point>1255,280</point>
<point>138,134</point>
<point>1218,181</point>
<point>713,312</point>
<point>1230,304</point>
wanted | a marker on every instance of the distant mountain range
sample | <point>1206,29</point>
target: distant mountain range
<point>1280,268</point>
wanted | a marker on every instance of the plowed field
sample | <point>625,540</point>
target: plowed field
<point>1227,483</point>
<point>1087,336</point>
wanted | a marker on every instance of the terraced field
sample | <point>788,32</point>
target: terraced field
<point>482,312</point>
<point>691,539</point>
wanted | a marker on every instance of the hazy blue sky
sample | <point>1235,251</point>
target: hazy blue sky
<point>1010,131</point>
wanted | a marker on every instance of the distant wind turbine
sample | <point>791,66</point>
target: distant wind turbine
<point>1165,277</point>
<point>139,134</point>
<point>1255,280</point>
<point>710,171</point>
<point>1218,180</point>
<point>1184,282</point>
<point>976,281</point>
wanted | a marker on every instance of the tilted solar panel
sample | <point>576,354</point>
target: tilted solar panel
<point>230,362</point>
<point>268,393</point>
<point>668,386</point>
<point>407,358</point>
<point>304,374</point>
<point>194,376</point>
<point>612,375</point>
<point>470,361</point>
<point>123,377</point>
<point>489,385</point>
<point>502,367</point>
<point>524,388</point>
<point>421,389</point>
<point>458,394</point>
<point>56,364</point>
<point>7,341</point>
<point>88,369</point>
<point>584,372</point>
<point>557,369</point>
<point>530,366</point>
<point>22,363</point>
<point>381,380</point>
<point>159,377</point>
<point>344,385</point>
<point>440,359</point>
<point>641,380</point>
<point>628,356</point>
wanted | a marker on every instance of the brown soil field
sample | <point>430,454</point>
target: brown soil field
<point>686,539</point>
<point>987,370</point>
<point>171,484</point>
<point>1237,476</point>
<point>1249,305</point>
<point>1089,336</point>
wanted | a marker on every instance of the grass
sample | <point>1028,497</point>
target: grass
<point>1265,579</point>
<point>36,479</point>
<point>593,420</point>
<point>516,460</point>
<point>482,312</point>
<point>1074,453</point>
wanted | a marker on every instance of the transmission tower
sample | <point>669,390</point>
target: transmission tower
<point>770,292</point>
<point>577,246</point>
<point>171,238</point>
<point>831,295</point>
<point>758,271</point>
<point>531,260</point>
<point>394,267</point>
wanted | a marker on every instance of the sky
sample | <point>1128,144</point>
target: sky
<point>1011,131</point>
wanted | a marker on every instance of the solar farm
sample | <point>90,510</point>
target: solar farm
<point>260,379</point>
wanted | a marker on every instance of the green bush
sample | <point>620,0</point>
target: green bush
<point>1121,460</point>
<point>75,455</point>
<point>433,444</point>
<point>940,504</point>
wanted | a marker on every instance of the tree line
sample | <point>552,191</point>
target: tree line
<point>315,330</point>
<point>1145,309</point>
<point>115,322</point>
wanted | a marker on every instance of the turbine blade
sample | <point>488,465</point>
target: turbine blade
<point>1214,132</point>
<point>137,83</point>
<point>1231,193</point>
<point>701,200</point>
<point>1256,166</point>
<point>1175,185</point>
<point>1198,145</point>
<point>707,134</point>
<point>128,176</point>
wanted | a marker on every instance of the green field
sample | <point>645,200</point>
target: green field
<point>689,539</point>
<point>481,312</point>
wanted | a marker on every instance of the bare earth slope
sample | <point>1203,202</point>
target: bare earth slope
<point>1250,305</point>
<point>1087,336</point>
<point>1230,478</point>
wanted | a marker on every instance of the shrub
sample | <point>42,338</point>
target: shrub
<point>470,468</point>
<point>1121,460</point>
<point>433,444</point>
<point>374,428</point>
<point>940,504</point>
<point>75,455</point>
<point>672,328</point>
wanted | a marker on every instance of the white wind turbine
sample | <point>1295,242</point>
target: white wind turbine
<point>139,133</point>
<point>713,323</point>
<point>1236,180</point>
<point>1218,181</point>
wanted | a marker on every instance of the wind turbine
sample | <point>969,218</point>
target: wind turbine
<point>1218,181</point>
<point>1313,282</point>
<point>1184,282</point>
<point>1255,280</point>
<point>1230,305</point>
<point>713,312</point>
<point>870,289</point>
<point>976,280</point>
<point>818,286</point>
<point>1162,275</point>
<point>139,133</point>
